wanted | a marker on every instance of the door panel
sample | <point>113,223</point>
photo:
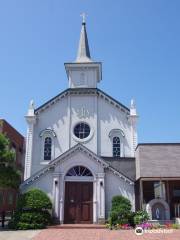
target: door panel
<point>78,202</point>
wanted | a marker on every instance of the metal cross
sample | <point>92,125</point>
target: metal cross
<point>83,15</point>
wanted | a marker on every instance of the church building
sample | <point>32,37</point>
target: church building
<point>81,146</point>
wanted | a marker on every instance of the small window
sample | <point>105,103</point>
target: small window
<point>82,130</point>
<point>116,147</point>
<point>47,148</point>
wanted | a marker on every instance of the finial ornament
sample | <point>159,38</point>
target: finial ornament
<point>133,105</point>
<point>83,15</point>
<point>31,105</point>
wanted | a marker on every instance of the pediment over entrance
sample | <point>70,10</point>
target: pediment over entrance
<point>77,155</point>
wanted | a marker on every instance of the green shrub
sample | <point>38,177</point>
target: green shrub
<point>120,211</point>
<point>43,217</point>
<point>32,211</point>
<point>120,201</point>
<point>26,226</point>
<point>140,217</point>
<point>176,226</point>
<point>34,199</point>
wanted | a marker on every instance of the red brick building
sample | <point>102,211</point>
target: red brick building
<point>8,196</point>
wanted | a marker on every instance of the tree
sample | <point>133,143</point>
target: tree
<point>9,176</point>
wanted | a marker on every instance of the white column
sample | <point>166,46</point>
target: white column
<point>56,196</point>
<point>61,197</point>
<point>31,120</point>
<point>101,197</point>
<point>95,215</point>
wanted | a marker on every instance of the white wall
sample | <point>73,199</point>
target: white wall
<point>83,78</point>
<point>63,116</point>
<point>109,117</point>
<point>44,183</point>
<point>116,186</point>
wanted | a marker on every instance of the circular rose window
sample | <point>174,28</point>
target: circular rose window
<point>82,130</point>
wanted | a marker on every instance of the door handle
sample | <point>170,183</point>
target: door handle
<point>72,200</point>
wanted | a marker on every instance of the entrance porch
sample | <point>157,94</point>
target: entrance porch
<point>160,197</point>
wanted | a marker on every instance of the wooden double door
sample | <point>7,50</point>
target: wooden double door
<point>78,202</point>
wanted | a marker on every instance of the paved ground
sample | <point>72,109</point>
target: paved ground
<point>85,234</point>
<point>102,234</point>
<point>18,235</point>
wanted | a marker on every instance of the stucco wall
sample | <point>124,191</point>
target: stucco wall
<point>116,186</point>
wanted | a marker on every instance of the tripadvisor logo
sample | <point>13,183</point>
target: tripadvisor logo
<point>139,231</point>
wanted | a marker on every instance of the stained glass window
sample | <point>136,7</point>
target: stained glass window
<point>47,148</point>
<point>116,147</point>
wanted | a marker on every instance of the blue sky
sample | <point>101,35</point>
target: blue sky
<point>137,41</point>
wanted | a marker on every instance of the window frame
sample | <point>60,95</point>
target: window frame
<point>82,132</point>
<point>82,140</point>
<point>43,135</point>
<point>116,147</point>
<point>47,148</point>
<point>120,134</point>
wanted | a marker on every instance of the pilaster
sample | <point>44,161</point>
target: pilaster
<point>133,121</point>
<point>101,197</point>
<point>31,120</point>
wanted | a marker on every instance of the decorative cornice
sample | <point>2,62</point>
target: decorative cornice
<point>64,156</point>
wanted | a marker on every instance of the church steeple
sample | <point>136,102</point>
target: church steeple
<point>83,54</point>
<point>83,73</point>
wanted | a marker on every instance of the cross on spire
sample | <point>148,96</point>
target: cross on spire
<point>83,54</point>
<point>83,15</point>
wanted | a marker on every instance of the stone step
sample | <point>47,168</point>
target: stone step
<point>78,226</point>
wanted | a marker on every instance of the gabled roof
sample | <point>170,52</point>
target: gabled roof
<point>74,91</point>
<point>80,148</point>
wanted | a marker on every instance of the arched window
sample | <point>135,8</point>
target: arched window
<point>47,148</point>
<point>116,147</point>
<point>79,171</point>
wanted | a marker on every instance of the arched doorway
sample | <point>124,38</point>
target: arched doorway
<point>78,195</point>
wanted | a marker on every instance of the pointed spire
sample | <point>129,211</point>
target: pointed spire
<point>83,54</point>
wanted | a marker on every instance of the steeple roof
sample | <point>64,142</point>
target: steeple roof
<point>83,54</point>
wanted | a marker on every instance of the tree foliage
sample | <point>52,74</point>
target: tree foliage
<point>7,156</point>
<point>9,176</point>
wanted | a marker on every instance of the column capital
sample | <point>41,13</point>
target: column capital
<point>56,174</point>
<point>100,175</point>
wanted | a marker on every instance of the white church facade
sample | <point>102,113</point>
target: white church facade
<point>81,145</point>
